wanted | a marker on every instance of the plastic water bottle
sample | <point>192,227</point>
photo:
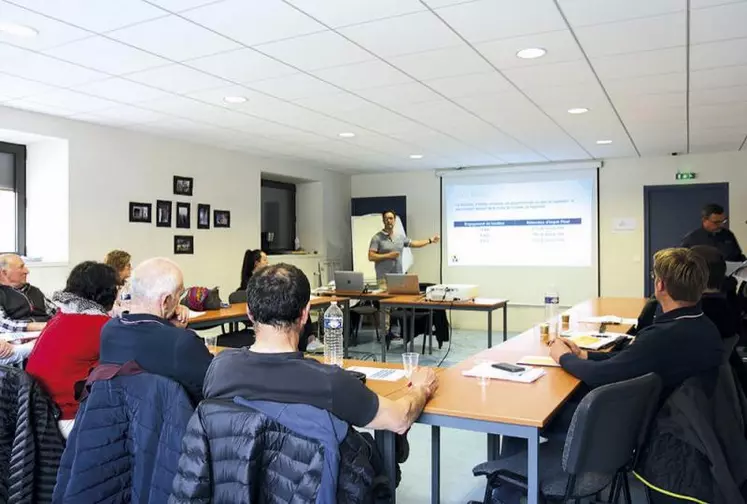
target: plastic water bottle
<point>552,302</point>
<point>333,336</point>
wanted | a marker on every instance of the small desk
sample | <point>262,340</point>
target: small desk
<point>237,313</point>
<point>418,301</point>
<point>506,408</point>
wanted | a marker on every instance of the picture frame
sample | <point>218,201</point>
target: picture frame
<point>141,212</point>
<point>203,216</point>
<point>183,186</point>
<point>184,244</point>
<point>183,215</point>
<point>221,219</point>
<point>163,213</point>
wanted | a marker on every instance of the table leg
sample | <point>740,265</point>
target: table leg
<point>505,322</point>
<point>412,331</point>
<point>435,464</point>
<point>494,446</point>
<point>430,332</point>
<point>490,329</point>
<point>385,442</point>
<point>345,327</point>
<point>533,467</point>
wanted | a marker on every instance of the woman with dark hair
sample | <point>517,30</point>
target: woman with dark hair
<point>253,260</point>
<point>68,347</point>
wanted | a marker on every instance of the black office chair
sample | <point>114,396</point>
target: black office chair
<point>608,427</point>
<point>235,337</point>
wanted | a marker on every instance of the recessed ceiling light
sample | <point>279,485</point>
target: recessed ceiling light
<point>579,110</point>
<point>531,53</point>
<point>234,99</point>
<point>416,156</point>
<point>604,142</point>
<point>347,134</point>
<point>18,30</point>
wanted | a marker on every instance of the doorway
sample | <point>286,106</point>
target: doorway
<point>672,211</point>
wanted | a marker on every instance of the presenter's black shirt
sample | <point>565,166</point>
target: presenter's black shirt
<point>724,240</point>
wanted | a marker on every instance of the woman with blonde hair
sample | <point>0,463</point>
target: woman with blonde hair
<point>121,261</point>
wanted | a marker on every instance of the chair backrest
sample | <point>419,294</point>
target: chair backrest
<point>238,296</point>
<point>609,425</point>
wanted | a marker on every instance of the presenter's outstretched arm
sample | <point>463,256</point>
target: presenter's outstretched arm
<point>424,243</point>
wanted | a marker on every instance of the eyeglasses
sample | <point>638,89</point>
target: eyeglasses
<point>652,275</point>
<point>719,222</point>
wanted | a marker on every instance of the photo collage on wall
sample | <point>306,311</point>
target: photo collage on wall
<point>183,186</point>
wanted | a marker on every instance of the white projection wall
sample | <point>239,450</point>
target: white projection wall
<point>519,234</point>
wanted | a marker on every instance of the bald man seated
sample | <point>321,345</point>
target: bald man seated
<point>154,333</point>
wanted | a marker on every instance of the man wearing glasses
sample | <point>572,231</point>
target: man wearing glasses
<point>713,233</point>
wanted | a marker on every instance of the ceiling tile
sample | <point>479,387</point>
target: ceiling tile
<point>337,14</point>
<point>727,114</point>
<point>659,138</point>
<point>120,115</point>
<point>662,83</point>
<point>253,23</point>
<point>15,87</point>
<point>556,74</point>
<point>94,15</point>
<point>717,54</point>
<point>242,65</point>
<point>588,95</point>
<point>591,12</point>
<point>174,38</point>
<point>51,33</point>
<point>399,94</point>
<point>718,95</point>
<point>627,66</point>
<point>560,46</point>
<point>38,67</point>
<point>106,55</point>
<point>700,4</point>
<point>722,139</point>
<point>633,112</point>
<point>363,75</point>
<point>28,104</point>
<point>72,101</point>
<point>443,3</point>
<point>718,77</point>
<point>181,5</point>
<point>407,34</point>
<point>332,104</point>
<point>176,79</point>
<point>653,101</point>
<point>449,62</point>
<point>468,85</point>
<point>294,87</point>
<point>121,90</point>
<point>490,20</point>
<point>651,33</point>
<point>718,23</point>
<point>316,51</point>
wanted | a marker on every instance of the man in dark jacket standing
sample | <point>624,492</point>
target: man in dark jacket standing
<point>154,333</point>
<point>713,232</point>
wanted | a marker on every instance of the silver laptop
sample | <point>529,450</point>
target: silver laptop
<point>349,281</point>
<point>402,284</point>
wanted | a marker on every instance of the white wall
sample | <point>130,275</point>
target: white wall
<point>110,167</point>
<point>620,193</point>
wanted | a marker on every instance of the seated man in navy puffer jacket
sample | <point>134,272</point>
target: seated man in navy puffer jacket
<point>266,399</point>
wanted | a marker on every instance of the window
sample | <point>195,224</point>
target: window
<point>12,198</point>
<point>278,216</point>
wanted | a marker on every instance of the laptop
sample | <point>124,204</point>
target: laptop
<point>402,284</point>
<point>349,281</point>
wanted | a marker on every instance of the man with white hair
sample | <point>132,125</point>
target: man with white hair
<point>23,307</point>
<point>154,333</point>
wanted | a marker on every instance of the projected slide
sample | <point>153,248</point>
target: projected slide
<point>520,224</point>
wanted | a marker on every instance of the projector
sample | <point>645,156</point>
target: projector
<point>451,292</point>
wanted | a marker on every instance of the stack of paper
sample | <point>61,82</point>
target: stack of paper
<point>538,360</point>
<point>608,319</point>
<point>591,340</point>
<point>195,314</point>
<point>374,373</point>
<point>19,336</point>
<point>486,370</point>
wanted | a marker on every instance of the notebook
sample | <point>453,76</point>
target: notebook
<point>538,360</point>
<point>488,371</point>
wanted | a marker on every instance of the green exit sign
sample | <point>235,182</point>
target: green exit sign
<point>684,176</point>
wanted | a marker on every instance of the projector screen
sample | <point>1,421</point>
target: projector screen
<point>521,233</point>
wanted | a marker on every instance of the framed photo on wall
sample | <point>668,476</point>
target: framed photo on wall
<point>140,212</point>
<point>183,217</point>
<point>163,213</point>
<point>222,219</point>
<point>184,244</point>
<point>203,216</point>
<point>183,185</point>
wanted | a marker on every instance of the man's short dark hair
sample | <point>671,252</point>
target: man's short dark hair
<point>383,214</point>
<point>710,209</point>
<point>716,264</point>
<point>277,294</point>
<point>97,282</point>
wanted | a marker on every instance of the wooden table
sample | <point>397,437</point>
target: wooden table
<point>419,302</point>
<point>236,313</point>
<point>507,408</point>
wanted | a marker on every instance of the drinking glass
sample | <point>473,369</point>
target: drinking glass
<point>410,363</point>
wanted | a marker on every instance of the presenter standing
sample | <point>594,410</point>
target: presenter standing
<point>387,246</point>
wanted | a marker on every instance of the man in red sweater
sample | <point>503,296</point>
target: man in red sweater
<point>68,347</point>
